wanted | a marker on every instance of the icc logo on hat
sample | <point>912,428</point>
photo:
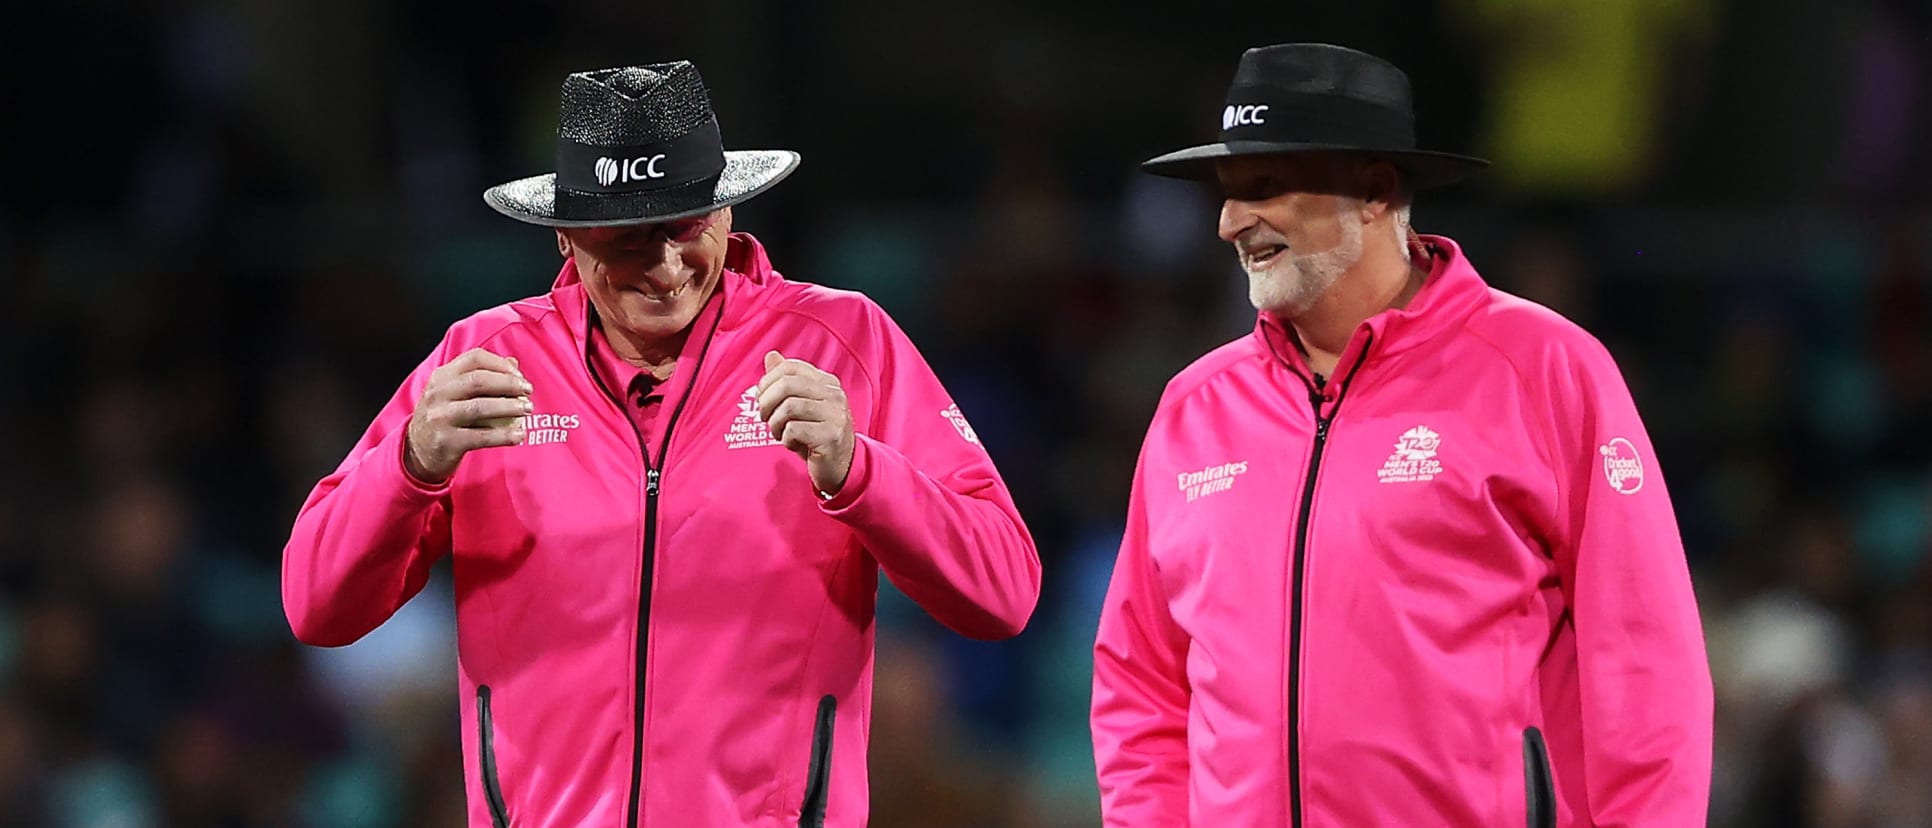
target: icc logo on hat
<point>1243,115</point>
<point>613,170</point>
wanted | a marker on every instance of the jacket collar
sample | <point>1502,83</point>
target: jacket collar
<point>1449,295</point>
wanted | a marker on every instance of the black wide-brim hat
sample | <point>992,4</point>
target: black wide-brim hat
<point>1314,97</point>
<point>638,145</point>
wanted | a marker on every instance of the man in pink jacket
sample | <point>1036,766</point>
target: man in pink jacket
<point>1403,556</point>
<point>667,488</point>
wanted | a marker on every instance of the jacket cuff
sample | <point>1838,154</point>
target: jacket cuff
<point>410,482</point>
<point>856,480</point>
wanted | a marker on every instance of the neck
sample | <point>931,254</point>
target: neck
<point>1366,290</point>
<point>657,356</point>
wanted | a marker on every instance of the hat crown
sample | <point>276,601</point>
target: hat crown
<point>631,105</point>
<point>1322,68</point>
<point>635,145</point>
<point>1318,97</point>
<point>634,81</point>
<point>1317,94</point>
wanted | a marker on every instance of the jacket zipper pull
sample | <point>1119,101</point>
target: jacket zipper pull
<point>650,482</point>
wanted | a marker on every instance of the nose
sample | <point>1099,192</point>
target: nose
<point>661,267</point>
<point>1236,218</point>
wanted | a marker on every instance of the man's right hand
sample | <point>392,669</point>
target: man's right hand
<point>475,401</point>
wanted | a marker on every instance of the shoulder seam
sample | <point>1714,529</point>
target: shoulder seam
<point>552,310</point>
<point>1545,440</point>
<point>872,382</point>
<point>1200,381</point>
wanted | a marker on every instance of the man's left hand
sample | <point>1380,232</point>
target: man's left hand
<point>806,411</point>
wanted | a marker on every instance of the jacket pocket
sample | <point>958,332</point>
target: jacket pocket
<point>1539,787</point>
<point>818,775</point>
<point>486,757</point>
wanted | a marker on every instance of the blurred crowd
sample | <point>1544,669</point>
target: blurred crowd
<point>230,228</point>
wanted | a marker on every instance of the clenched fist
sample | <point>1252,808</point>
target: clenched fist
<point>806,411</point>
<point>475,401</point>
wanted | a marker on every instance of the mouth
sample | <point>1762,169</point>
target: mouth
<point>1260,256</point>
<point>667,296</point>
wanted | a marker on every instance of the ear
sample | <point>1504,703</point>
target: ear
<point>724,219</point>
<point>1379,184</point>
<point>564,248</point>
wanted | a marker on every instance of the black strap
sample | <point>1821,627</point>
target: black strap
<point>693,156</point>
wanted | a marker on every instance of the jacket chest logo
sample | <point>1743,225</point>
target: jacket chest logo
<point>746,430</point>
<point>547,429</point>
<point>1414,459</point>
<point>1211,480</point>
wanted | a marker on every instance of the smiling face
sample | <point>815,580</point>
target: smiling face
<point>649,281</point>
<point>1294,225</point>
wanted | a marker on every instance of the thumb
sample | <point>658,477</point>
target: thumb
<point>772,358</point>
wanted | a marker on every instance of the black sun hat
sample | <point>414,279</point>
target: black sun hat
<point>636,145</point>
<point>1315,97</point>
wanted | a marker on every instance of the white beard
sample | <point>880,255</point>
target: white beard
<point>1289,286</point>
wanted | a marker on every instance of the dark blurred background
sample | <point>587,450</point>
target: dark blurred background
<point>228,228</point>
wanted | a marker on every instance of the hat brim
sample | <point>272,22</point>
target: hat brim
<point>747,173</point>
<point>1426,169</point>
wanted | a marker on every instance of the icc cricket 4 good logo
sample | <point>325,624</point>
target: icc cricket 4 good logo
<point>958,420</point>
<point>1622,466</point>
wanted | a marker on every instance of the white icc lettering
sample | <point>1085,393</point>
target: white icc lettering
<point>649,169</point>
<point>1243,115</point>
<point>611,171</point>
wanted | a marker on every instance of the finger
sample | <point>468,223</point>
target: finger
<point>464,362</point>
<point>797,409</point>
<point>773,360</point>
<point>476,412</point>
<point>475,358</point>
<point>486,383</point>
<point>471,439</point>
<point>781,390</point>
<point>792,368</point>
<point>439,379</point>
<point>780,369</point>
<point>786,388</point>
<point>455,382</point>
<point>799,368</point>
<point>804,437</point>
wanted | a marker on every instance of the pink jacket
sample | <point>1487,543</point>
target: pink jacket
<point>687,643</point>
<point>1441,588</point>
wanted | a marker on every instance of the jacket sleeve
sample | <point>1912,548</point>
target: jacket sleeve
<point>364,540</point>
<point>924,499</point>
<point>1140,690</point>
<point>1643,678</point>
